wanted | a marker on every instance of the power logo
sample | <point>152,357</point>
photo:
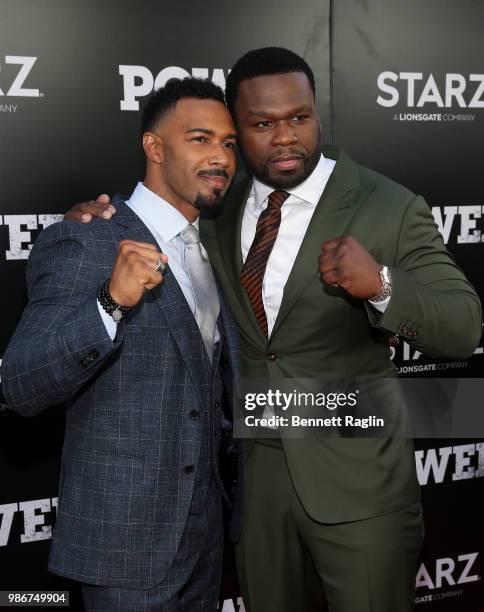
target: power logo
<point>33,516</point>
<point>447,463</point>
<point>20,228</point>
<point>139,81</point>
<point>231,605</point>
<point>466,220</point>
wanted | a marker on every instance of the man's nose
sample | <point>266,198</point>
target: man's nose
<point>220,156</point>
<point>284,135</point>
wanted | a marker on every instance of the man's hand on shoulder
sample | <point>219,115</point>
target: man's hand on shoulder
<point>344,262</point>
<point>85,211</point>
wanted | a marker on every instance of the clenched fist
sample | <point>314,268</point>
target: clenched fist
<point>344,262</point>
<point>134,271</point>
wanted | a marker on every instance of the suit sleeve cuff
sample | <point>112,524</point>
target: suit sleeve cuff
<point>399,314</point>
<point>380,306</point>
<point>88,349</point>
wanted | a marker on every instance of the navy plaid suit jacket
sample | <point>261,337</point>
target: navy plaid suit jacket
<point>124,493</point>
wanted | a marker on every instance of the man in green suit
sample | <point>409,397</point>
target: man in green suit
<point>323,261</point>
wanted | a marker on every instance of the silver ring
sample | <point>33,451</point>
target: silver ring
<point>160,266</point>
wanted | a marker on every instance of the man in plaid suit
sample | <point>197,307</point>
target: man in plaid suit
<point>119,327</point>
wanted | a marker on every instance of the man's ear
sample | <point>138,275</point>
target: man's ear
<point>153,147</point>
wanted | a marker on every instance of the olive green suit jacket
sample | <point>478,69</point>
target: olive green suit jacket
<point>322,332</point>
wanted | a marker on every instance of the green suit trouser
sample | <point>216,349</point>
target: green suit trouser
<point>286,560</point>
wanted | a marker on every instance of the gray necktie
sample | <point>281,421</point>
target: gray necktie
<point>203,282</point>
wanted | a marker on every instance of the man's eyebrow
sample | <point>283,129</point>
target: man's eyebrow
<point>265,113</point>
<point>260,113</point>
<point>204,130</point>
<point>209,132</point>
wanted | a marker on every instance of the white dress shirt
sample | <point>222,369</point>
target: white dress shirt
<point>165,222</point>
<point>296,213</point>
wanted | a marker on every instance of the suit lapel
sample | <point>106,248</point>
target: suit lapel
<point>228,230</point>
<point>331,216</point>
<point>169,297</point>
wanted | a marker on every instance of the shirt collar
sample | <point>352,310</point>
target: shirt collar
<point>310,190</point>
<point>157,212</point>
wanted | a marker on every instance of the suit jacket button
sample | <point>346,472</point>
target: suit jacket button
<point>188,469</point>
<point>194,415</point>
<point>271,356</point>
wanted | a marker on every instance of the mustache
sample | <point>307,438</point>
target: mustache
<point>214,172</point>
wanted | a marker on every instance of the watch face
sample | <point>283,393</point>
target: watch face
<point>117,315</point>
<point>387,275</point>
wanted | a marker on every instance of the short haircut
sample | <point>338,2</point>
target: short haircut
<point>166,98</point>
<point>264,62</point>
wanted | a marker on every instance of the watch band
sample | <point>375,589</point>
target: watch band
<point>386,286</point>
<point>115,310</point>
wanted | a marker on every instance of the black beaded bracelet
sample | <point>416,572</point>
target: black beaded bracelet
<point>115,310</point>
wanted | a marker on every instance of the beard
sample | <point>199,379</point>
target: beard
<point>209,203</point>
<point>285,180</point>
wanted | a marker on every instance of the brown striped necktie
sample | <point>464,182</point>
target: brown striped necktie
<point>253,270</point>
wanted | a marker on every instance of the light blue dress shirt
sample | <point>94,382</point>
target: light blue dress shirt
<point>165,222</point>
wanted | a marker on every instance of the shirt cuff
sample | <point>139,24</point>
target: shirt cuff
<point>109,323</point>
<point>380,306</point>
